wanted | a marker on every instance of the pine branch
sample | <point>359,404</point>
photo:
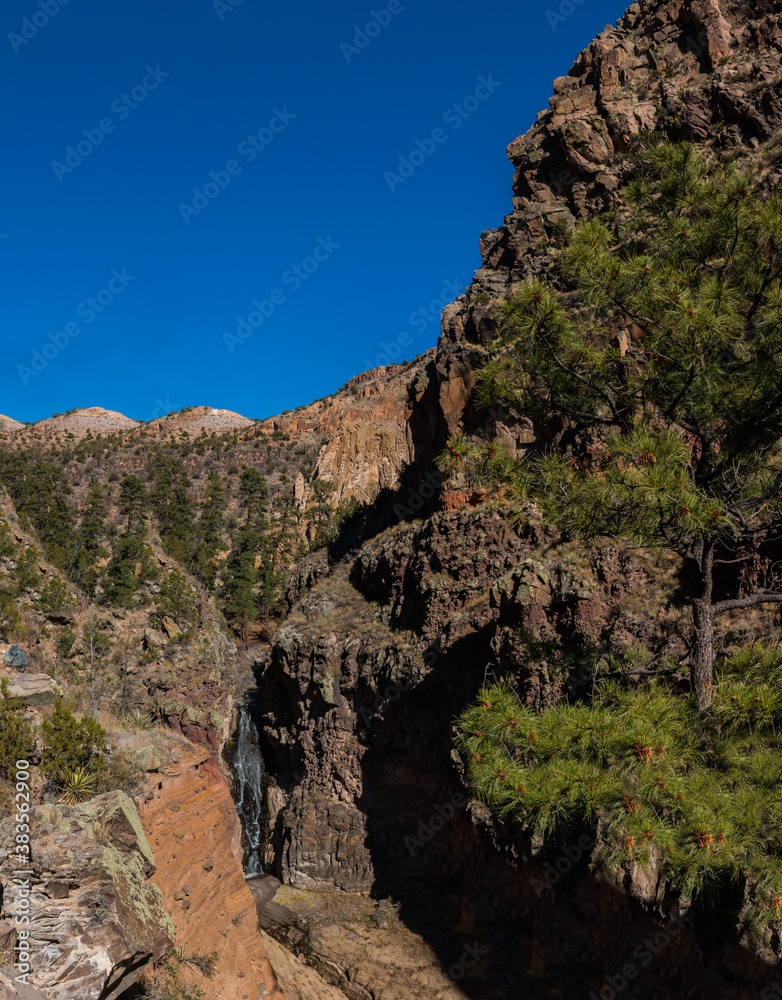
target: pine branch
<point>760,597</point>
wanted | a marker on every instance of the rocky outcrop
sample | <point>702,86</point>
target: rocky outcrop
<point>385,651</point>
<point>192,421</point>
<point>364,792</point>
<point>370,430</point>
<point>379,656</point>
<point>31,689</point>
<point>95,921</point>
<point>11,990</point>
<point>190,820</point>
<point>361,946</point>
<point>79,423</point>
<point>8,425</point>
<point>698,70</point>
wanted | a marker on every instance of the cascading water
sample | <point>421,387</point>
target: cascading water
<point>248,771</point>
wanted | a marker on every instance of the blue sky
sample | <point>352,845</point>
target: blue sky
<point>205,202</point>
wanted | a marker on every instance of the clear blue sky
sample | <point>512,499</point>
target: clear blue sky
<point>302,124</point>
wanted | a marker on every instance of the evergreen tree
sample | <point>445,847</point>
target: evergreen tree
<point>212,519</point>
<point>320,511</point>
<point>662,361</point>
<point>253,492</point>
<point>17,741</point>
<point>171,503</point>
<point>133,501</point>
<point>240,601</point>
<point>177,599</point>
<point>209,531</point>
<point>92,529</point>
<point>40,493</point>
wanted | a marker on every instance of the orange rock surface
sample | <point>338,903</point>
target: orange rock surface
<point>191,825</point>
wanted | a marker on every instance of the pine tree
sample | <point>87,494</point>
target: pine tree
<point>212,519</point>
<point>253,492</point>
<point>40,493</point>
<point>209,531</point>
<point>92,529</point>
<point>175,511</point>
<point>133,501</point>
<point>661,368</point>
<point>320,512</point>
<point>240,601</point>
<point>177,599</point>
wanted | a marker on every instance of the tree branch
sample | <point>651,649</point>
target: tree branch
<point>761,597</point>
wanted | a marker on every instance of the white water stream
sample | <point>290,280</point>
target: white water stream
<point>248,769</point>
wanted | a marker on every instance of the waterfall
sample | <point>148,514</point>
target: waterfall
<point>248,771</point>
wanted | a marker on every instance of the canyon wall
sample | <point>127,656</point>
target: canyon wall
<point>385,646</point>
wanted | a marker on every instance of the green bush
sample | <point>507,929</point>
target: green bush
<point>70,746</point>
<point>64,642</point>
<point>703,792</point>
<point>55,597</point>
<point>7,543</point>
<point>16,735</point>
<point>27,567</point>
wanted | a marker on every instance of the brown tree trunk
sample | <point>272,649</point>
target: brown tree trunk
<point>702,653</point>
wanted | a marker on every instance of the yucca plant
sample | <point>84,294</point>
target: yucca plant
<point>138,720</point>
<point>78,785</point>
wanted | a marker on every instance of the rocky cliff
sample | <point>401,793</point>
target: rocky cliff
<point>190,820</point>
<point>95,919</point>
<point>111,887</point>
<point>385,646</point>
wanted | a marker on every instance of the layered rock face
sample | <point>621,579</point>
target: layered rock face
<point>110,888</point>
<point>385,649</point>
<point>190,820</point>
<point>370,430</point>
<point>95,921</point>
<point>694,70</point>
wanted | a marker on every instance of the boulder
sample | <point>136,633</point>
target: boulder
<point>96,921</point>
<point>16,657</point>
<point>171,628</point>
<point>33,689</point>
<point>10,990</point>
<point>154,637</point>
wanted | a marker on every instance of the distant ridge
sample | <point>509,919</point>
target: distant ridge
<point>9,424</point>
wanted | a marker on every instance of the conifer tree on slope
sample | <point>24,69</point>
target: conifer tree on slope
<point>662,358</point>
